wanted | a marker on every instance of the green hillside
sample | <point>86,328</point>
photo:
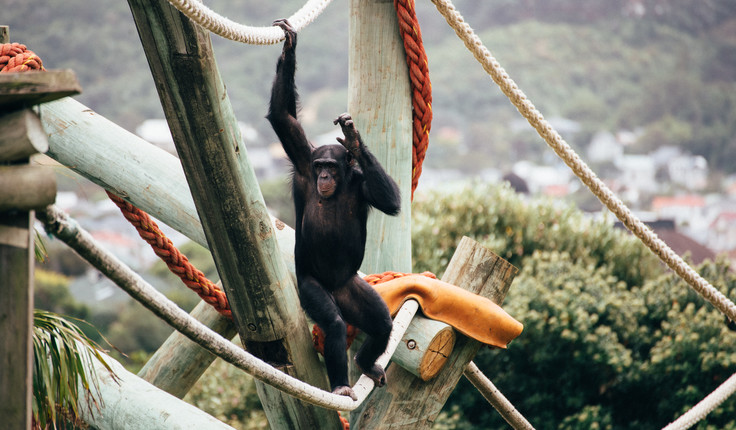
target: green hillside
<point>669,72</point>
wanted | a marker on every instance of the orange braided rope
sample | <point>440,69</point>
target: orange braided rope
<point>15,57</point>
<point>175,260</point>
<point>421,87</point>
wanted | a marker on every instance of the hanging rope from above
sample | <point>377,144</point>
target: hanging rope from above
<point>421,87</point>
<point>578,166</point>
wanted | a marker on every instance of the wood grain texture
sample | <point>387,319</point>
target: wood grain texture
<point>16,322</point>
<point>25,89</point>
<point>178,364</point>
<point>227,196</point>
<point>380,103</point>
<point>407,402</point>
<point>25,187</point>
<point>425,347</point>
<point>22,135</point>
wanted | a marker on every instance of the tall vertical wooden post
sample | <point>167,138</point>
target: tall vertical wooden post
<point>16,312</point>
<point>226,194</point>
<point>379,100</point>
<point>23,188</point>
<point>16,318</point>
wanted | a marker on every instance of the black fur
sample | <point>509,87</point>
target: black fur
<point>334,187</point>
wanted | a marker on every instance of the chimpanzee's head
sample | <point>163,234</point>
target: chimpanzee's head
<point>332,166</point>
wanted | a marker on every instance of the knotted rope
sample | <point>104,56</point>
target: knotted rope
<point>421,87</point>
<point>15,57</point>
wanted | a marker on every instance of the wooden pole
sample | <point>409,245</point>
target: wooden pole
<point>261,292</point>
<point>22,135</point>
<point>380,101</point>
<point>407,402</point>
<point>179,362</point>
<point>26,187</point>
<point>131,403</point>
<point>16,319</point>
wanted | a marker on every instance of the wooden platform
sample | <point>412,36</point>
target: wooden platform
<point>18,90</point>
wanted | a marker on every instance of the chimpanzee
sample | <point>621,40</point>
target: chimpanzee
<point>334,187</point>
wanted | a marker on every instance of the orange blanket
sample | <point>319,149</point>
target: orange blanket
<point>468,313</point>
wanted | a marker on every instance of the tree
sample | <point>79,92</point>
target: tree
<point>610,341</point>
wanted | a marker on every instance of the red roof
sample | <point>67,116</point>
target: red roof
<point>680,201</point>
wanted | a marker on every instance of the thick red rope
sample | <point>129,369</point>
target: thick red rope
<point>15,57</point>
<point>421,87</point>
<point>175,260</point>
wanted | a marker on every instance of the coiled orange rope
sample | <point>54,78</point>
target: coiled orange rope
<point>15,57</point>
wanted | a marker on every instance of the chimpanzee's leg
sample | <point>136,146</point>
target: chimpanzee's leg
<point>321,307</point>
<point>364,308</point>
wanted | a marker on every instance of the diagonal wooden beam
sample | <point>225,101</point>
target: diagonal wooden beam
<point>407,402</point>
<point>261,292</point>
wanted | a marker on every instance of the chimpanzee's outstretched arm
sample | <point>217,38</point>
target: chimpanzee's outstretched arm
<point>379,189</point>
<point>282,110</point>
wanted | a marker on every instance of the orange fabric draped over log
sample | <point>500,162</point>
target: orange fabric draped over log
<point>470,314</point>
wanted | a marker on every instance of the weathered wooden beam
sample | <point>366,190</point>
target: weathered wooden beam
<point>425,347</point>
<point>16,319</point>
<point>407,402</point>
<point>145,175</point>
<point>30,88</point>
<point>153,180</point>
<point>379,100</point>
<point>130,403</point>
<point>25,187</point>
<point>261,292</point>
<point>179,362</point>
<point>22,135</point>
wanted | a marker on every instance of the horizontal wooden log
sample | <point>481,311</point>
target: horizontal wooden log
<point>130,403</point>
<point>26,187</point>
<point>21,135</point>
<point>30,88</point>
<point>425,347</point>
<point>143,174</point>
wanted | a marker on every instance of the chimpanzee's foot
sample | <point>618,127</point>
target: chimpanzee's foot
<point>376,373</point>
<point>344,390</point>
<point>289,32</point>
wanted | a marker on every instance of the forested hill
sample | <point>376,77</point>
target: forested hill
<point>664,68</point>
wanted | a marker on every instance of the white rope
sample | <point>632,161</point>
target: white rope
<point>216,23</point>
<point>496,398</point>
<point>706,406</point>
<point>586,175</point>
<point>589,178</point>
<point>58,223</point>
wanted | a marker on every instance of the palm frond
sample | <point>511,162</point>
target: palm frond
<point>63,371</point>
